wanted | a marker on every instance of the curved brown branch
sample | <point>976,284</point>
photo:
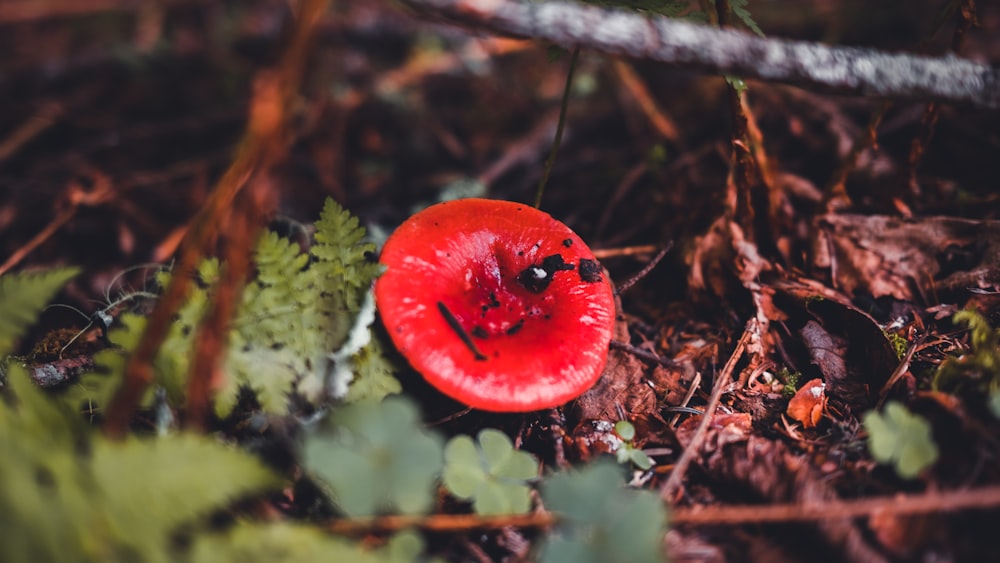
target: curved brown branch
<point>839,69</point>
<point>926,503</point>
<point>235,221</point>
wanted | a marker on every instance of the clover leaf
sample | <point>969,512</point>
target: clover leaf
<point>376,457</point>
<point>601,520</point>
<point>491,473</point>
<point>899,437</point>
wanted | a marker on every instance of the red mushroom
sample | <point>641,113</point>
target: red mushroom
<point>496,304</point>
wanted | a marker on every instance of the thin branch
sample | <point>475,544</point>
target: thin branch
<point>441,523</point>
<point>263,144</point>
<point>723,379</point>
<point>936,502</point>
<point>563,106</point>
<point>848,70</point>
<point>926,503</point>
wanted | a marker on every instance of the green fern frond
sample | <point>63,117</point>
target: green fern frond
<point>298,309</point>
<point>740,10</point>
<point>342,254</point>
<point>374,378</point>
<point>68,495</point>
<point>22,297</point>
<point>293,543</point>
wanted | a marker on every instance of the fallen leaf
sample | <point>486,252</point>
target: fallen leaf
<point>910,259</point>
<point>809,403</point>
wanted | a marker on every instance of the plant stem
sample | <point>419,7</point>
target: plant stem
<point>551,161</point>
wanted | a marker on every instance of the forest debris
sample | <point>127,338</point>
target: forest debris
<point>620,387</point>
<point>910,259</point>
<point>905,535</point>
<point>729,429</point>
<point>676,41</point>
<point>722,381</point>
<point>808,404</point>
<point>827,354</point>
<point>846,345</point>
<point>769,470</point>
<point>61,372</point>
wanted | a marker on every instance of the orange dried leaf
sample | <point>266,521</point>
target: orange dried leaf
<point>809,403</point>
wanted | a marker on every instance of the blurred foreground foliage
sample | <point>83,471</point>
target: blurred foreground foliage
<point>69,494</point>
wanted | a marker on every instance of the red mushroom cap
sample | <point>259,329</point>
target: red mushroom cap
<point>496,304</point>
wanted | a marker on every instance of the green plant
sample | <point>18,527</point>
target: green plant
<point>790,380</point>
<point>980,367</point>
<point>374,457</point>
<point>601,521</point>
<point>901,438</point>
<point>489,472</point>
<point>302,327</point>
<point>627,452</point>
<point>67,495</point>
<point>22,298</point>
<point>269,543</point>
<point>739,9</point>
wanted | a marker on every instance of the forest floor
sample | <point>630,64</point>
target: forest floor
<point>812,278</point>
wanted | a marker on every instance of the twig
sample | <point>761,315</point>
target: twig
<point>722,380</point>
<point>659,119</point>
<point>840,69</point>
<point>29,10</point>
<point>950,501</point>
<point>45,117</point>
<point>442,523</point>
<point>264,142</point>
<point>903,367</point>
<point>563,106</point>
<point>835,195</point>
<point>605,253</point>
<point>642,354</point>
<point>629,283</point>
<point>967,18</point>
<point>77,197</point>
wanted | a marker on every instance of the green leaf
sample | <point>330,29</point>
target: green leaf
<point>374,379</point>
<point>99,386</point>
<point>152,486</point>
<point>267,543</point>
<point>492,474</point>
<point>899,437</point>
<point>739,8</point>
<point>67,495</point>
<point>737,83</point>
<point>22,298</point>
<point>625,430</point>
<point>601,520</point>
<point>640,459</point>
<point>341,249</point>
<point>376,458</point>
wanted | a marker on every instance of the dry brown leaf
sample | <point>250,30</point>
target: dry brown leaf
<point>908,259</point>
<point>808,404</point>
